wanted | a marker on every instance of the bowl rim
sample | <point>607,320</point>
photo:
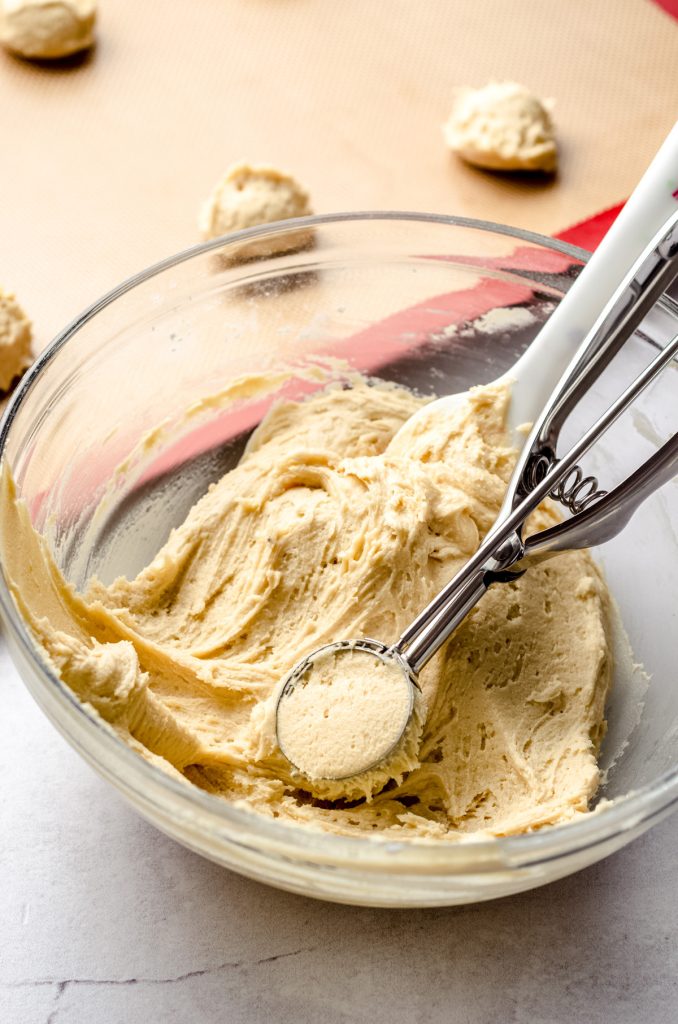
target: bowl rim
<point>630,812</point>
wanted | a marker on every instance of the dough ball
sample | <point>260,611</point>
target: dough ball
<point>247,196</point>
<point>503,127</point>
<point>47,29</point>
<point>15,340</point>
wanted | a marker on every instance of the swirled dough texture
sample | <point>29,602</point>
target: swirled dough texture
<point>327,530</point>
<point>47,29</point>
<point>503,127</point>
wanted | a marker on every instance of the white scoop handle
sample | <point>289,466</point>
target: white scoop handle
<point>652,202</point>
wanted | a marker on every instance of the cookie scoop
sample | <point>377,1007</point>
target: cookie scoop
<point>348,723</point>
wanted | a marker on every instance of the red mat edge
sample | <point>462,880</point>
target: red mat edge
<point>589,233</point>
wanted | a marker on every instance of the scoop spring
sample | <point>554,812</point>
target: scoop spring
<point>576,491</point>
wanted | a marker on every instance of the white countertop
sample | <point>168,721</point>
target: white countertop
<point>104,920</point>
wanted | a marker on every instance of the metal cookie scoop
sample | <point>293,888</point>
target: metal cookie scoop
<point>504,554</point>
<point>347,709</point>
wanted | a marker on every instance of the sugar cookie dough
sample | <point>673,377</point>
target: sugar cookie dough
<point>247,196</point>
<point>327,530</point>
<point>503,127</point>
<point>47,29</point>
<point>15,340</point>
<point>350,723</point>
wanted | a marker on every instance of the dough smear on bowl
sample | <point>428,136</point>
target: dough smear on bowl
<point>326,531</point>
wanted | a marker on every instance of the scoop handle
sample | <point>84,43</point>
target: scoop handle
<point>652,202</point>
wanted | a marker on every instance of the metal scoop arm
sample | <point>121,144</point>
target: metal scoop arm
<point>607,517</point>
<point>499,556</point>
<point>640,290</point>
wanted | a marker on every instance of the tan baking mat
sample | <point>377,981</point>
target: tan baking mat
<point>105,163</point>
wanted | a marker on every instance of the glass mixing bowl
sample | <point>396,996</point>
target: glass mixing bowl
<point>111,437</point>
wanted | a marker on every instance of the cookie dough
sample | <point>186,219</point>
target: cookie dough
<point>47,29</point>
<point>350,723</point>
<point>503,127</point>
<point>15,340</point>
<point>247,196</point>
<point>327,530</point>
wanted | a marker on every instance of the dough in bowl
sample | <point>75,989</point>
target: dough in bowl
<point>326,530</point>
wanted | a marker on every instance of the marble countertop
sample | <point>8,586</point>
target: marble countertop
<point>104,920</point>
